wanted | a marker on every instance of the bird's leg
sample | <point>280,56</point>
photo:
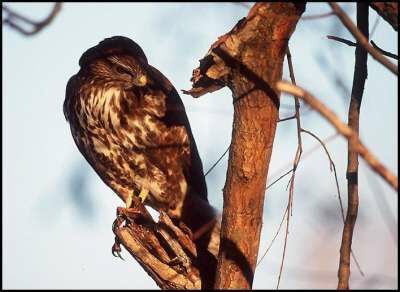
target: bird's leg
<point>123,215</point>
<point>129,200</point>
<point>143,194</point>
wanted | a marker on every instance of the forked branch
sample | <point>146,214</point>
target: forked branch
<point>15,20</point>
<point>361,39</point>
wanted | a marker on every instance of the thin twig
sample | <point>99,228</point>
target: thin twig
<point>288,215</point>
<point>343,129</point>
<point>317,16</point>
<point>352,44</point>
<point>273,239</point>
<point>333,167</point>
<point>375,26</point>
<point>286,119</point>
<point>219,159</point>
<point>13,18</point>
<point>295,162</point>
<point>306,153</point>
<point>341,40</point>
<point>387,10</point>
<point>383,52</point>
<point>361,39</point>
<point>278,179</point>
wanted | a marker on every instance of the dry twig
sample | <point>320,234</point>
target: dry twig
<point>14,20</point>
<point>343,129</point>
<point>352,44</point>
<point>333,167</point>
<point>342,40</point>
<point>361,39</point>
<point>296,161</point>
<point>383,52</point>
<point>317,16</point>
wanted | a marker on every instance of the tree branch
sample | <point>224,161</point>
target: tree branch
<point>169,255</point>
<point>383,52</point>
<point>361,39</point>
<point>13,18</point>
<point>352,44</point>
<point>343,129</point>
<point>359,77</point>
<point>249,61</point>
<point>296,160</point>
<point>342,40</point>
<point>317,16</point>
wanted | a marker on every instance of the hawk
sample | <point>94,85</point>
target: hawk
<point>130,124</point>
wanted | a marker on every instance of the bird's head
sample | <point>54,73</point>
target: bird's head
<point>117,59</point>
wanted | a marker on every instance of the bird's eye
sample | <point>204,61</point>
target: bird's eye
<point>122,70</point>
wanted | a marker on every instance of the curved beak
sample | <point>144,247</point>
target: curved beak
<point>142,81</point>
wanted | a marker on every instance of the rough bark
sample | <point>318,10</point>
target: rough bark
<point>249,61</point>
<point>388,11</point>
<point>169,253</point>
<point>360,75</point>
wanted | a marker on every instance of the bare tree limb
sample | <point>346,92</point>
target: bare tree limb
<point>248,60</point>
<point>383,52</point>
<point>360,75</point>
<point>14,20</point>
<point>151,251</point>
<point>171,256</point>
<point>361,39</point>
<point>388,10</point>
<point>286,119</point>
<point>341,40</point>
<point>343,129</point>
<point>352,44</point>
<point>317,16</point>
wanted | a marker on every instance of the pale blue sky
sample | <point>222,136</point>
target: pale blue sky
<point>57,213</point>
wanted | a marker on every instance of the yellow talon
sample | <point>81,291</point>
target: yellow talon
<point>143,194</point>
<point>129,200</point>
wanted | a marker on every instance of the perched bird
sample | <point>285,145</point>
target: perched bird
<point>130,124</point>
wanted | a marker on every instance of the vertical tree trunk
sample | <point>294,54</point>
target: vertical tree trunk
<point>249,60</point>
<point>360,75</point>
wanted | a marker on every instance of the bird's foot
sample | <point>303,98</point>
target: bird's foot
<point>186,230</point>
<point>124,215</point>
<point>116,248</point>
<point>143,194</point>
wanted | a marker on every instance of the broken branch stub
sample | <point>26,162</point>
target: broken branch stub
<point>251,40</point>
<point>249,60</point>
<point>163,250</point>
